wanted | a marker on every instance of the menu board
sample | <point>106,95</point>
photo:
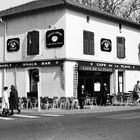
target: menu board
<point>97,86</point>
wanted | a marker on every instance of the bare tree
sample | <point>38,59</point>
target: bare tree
<point>129,9</point>
<point>110,6</point>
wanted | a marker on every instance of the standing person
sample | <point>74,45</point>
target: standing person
<point>136,91</point>
<point>104,93</point>
<point>5,100</point>
<point>82,97</point>
<point>13,100</point>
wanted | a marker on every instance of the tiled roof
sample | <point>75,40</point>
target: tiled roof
<point>31,6</point>
<point>44,4</point>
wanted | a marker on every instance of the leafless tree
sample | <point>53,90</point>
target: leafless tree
<point>129,9</point>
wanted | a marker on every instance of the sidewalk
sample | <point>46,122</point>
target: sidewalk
<point>95,109</point>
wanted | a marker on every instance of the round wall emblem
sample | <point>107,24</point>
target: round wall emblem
<point>13,44</point>
<point>106,45</point>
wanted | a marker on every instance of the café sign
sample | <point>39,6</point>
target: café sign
<point>81,65</point>
<point>13,44</point>
<point>106,67</point>
<point>30,64</point>
<point>55,38</point>
<point>88,68</point>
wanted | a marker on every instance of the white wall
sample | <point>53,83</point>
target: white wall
<point>20,26</point>
<point>69,74</point>
<point>21,82</point>
<point>131,79</point>
<point>2,41</point>
<point>51,82</point>
<point>1,82</point>
<point>15,77</point>
<point>76,23</point>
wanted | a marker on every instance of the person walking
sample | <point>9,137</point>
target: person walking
<point>5,100</point>
<point>13,100</point>
<point>136,91</point>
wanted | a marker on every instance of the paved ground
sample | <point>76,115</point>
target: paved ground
<point>88,110</point>
<point>111,123</point>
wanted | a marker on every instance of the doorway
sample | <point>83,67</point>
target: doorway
<point>90,82</point>
<point>33,83</point>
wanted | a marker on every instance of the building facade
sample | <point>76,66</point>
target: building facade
<point>62,48</point>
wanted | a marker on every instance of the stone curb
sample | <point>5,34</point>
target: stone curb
<point>94,109</point>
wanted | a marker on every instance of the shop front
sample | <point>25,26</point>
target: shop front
<point>92,75</point>
<point>34,78</point>
<point>91,78</point>
<point>90,83</point>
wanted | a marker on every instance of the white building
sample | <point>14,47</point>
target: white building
<point>70,46</point>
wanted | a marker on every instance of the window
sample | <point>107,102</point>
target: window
<point>121,47</point>
<point>120,82</point>
<point>88,42</point>
<point>33,43</point>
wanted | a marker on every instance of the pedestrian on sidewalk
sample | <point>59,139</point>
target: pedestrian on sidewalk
<point>5,103</point>
<point>136,91</point>
<point>104,92</point>
<point>14,100</point>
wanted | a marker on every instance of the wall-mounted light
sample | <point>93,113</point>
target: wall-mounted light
<point>88,19</point>
<point>120,28</point>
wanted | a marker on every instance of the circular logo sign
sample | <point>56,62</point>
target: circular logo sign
<point>13,44</point>
<point>106,45</point>
<point>55,38</point>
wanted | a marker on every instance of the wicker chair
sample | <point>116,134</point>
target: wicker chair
<point>62,102</point>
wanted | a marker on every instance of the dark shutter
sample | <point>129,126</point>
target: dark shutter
<point>120,47</point>
<point>28,43</point>
<point>88,42</point>
<point>85,37</point>
<point>33,43</point>
<point>139,48</point>
<point>91,42</point>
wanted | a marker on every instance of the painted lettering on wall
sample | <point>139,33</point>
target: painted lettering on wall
<point>100,66</point>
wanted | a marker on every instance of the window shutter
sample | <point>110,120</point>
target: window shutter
<point>139,48</point>
<point>120,47</point>
<point>88,38</point>
<point>85,35</point>
<point>123,48</point>
<point>33,43</point>
<point>91,42</point>
<point>28,43</point>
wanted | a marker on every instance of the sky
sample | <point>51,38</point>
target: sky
<point>5,4</point>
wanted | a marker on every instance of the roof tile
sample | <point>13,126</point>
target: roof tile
<point>42,4</point>
<point>34,5</point>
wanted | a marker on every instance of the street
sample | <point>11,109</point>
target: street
<point>120,125</point>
